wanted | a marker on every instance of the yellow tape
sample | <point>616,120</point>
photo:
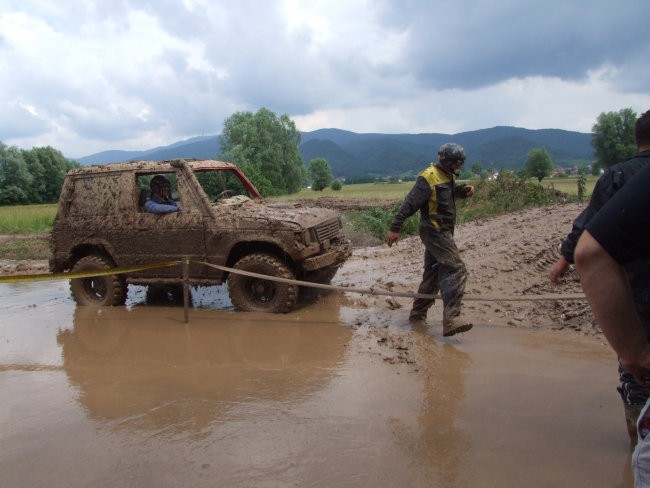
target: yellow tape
<point>85,274</point>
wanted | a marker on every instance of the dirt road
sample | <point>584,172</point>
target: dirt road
<point>506,255</point>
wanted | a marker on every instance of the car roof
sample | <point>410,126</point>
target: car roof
<point>151,166</point>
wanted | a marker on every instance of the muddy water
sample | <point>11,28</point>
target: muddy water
<point>132,396</point>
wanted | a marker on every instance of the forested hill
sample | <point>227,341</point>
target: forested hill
<point>352,154</point>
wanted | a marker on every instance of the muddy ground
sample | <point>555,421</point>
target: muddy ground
<point>339,392</point>
<point>508,255</point>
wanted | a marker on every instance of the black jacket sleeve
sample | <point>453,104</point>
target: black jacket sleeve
<point>416,198</point>
<point>603,191</point>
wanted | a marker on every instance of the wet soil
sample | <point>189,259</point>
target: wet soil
<point>340,392</point>
<point>505,255</point>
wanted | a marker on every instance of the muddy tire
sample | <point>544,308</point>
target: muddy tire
<point>97,290</point>
<point>258,295</point>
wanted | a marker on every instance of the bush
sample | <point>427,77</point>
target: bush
<point>508,193</point>
<point>376,222</point>
<point>336,185</point>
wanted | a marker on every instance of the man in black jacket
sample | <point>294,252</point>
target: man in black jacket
<point>434,195</point>
<point>633,394</point>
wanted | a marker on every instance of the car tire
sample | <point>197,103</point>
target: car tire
<point>258,295</point>
<point>97,290</point>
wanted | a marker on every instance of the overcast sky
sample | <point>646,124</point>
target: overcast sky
<point>84,76</point>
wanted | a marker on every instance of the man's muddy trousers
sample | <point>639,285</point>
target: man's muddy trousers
<point>444,272</point>
<point>633,394</point>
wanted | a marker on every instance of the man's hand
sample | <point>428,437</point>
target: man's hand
<point>391,238</point>
<point>469,191</point>
<point>558,270</point>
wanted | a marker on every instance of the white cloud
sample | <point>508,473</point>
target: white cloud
<point>91,75</point>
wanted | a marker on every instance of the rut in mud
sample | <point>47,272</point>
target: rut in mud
<point>506,255</point>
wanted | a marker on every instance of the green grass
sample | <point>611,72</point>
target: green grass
<point>570,184</point>
<point>27,219</point>
<point>397,191</point>
<point>384,191</point>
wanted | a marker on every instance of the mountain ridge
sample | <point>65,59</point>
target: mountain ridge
<point>355,154</point>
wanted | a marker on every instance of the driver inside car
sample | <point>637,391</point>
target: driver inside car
<point>161,200</point>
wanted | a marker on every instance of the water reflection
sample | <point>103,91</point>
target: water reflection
<point>146,369</point>
<point>441,444</point>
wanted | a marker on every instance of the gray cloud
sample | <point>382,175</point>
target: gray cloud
<point>470,44</point>
<point>96,75</point>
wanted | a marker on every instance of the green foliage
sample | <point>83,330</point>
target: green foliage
<point>376,222</point>
<point>265,147</point>
<point>336,185</point>
<point>466,174</point>
<point>320,173</point>
<point>508,193</point>
<point>582,183</point>
<point>356,180</point>
<point>33,176</point>
<point>539,164</point>
<point>613,136</point>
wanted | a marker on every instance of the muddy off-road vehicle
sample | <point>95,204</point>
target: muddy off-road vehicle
<point>101,223</point>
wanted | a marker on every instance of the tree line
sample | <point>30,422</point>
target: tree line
<point>266,147</point>
<point>32,176</point>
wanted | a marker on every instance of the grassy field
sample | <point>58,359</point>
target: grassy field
<point>569,185</point>
<point>27,219</point>
<point>397,191</point>
<point>384,191</point>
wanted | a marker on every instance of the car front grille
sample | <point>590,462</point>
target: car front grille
<point>327,230</point>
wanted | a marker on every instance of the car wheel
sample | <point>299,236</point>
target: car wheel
<point>259,295</point>
<point>97,290</point>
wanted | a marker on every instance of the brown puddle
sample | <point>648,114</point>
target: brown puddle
<point>135,397</point>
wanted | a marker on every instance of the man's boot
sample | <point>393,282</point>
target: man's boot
<point>632,413</point>
<point>455,325</point>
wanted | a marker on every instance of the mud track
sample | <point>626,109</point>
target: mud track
<point>505,255</point>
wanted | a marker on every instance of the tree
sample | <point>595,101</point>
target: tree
<point>539,164</point>
<point>613,136</point>
<point>321,174</point>
<point>265,147</point>
<point>477,168</point>
<point>55,167</point>
<point>336,185</point>
<point>15,179</point>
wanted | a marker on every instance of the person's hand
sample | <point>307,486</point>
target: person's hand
<point>391,238</point>
<point>558,270</point>
<point>469,191</point>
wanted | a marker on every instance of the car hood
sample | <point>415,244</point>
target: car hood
<point>294,215</point>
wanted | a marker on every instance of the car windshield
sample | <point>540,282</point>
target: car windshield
<point>219,184</point>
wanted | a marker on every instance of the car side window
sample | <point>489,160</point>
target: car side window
<point>144,192</point>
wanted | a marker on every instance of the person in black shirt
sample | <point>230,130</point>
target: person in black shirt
<point>620,234</point>
<point>633,394</point>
